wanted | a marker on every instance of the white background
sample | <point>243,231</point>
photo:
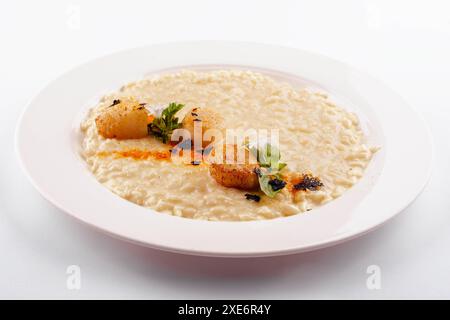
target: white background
<point>404,43</point>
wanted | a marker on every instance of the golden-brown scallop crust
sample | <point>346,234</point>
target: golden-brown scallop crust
<point>125,120</point>
<point>207,118</point>
<point>235,175</point>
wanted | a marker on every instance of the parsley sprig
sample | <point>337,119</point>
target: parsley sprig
<point>163,126</point>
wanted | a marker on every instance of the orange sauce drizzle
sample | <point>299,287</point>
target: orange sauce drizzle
<point>137,154</point>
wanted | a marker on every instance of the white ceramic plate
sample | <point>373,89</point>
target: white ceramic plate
<point>48,146</point>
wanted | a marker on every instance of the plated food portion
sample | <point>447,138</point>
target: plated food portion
<point>223,145</point>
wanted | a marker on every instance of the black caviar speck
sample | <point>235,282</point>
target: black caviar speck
<point>308,183</point>
<point>277,184</point>
<point>253,197</point>
<point>195,163</point>
<point>115,101</point>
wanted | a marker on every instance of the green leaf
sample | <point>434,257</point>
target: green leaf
<point>281,166</point>
<point>268,158</point>
<point>265,186</point>
<point>163,126</point>
<point>265,175</point>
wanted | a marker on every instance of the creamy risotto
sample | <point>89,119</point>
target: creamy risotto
<point>316,137</point>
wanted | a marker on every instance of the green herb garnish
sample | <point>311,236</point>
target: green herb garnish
<point>269,177</point>
<point>270,182</point>
<point>163,126</point>
<point>268,156</point>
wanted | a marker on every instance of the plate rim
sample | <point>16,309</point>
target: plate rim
<point>313,246</point>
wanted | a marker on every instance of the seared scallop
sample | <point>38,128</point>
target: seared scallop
<point>238,174</point>
<point>125,119</point>
<point>205,119</point>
